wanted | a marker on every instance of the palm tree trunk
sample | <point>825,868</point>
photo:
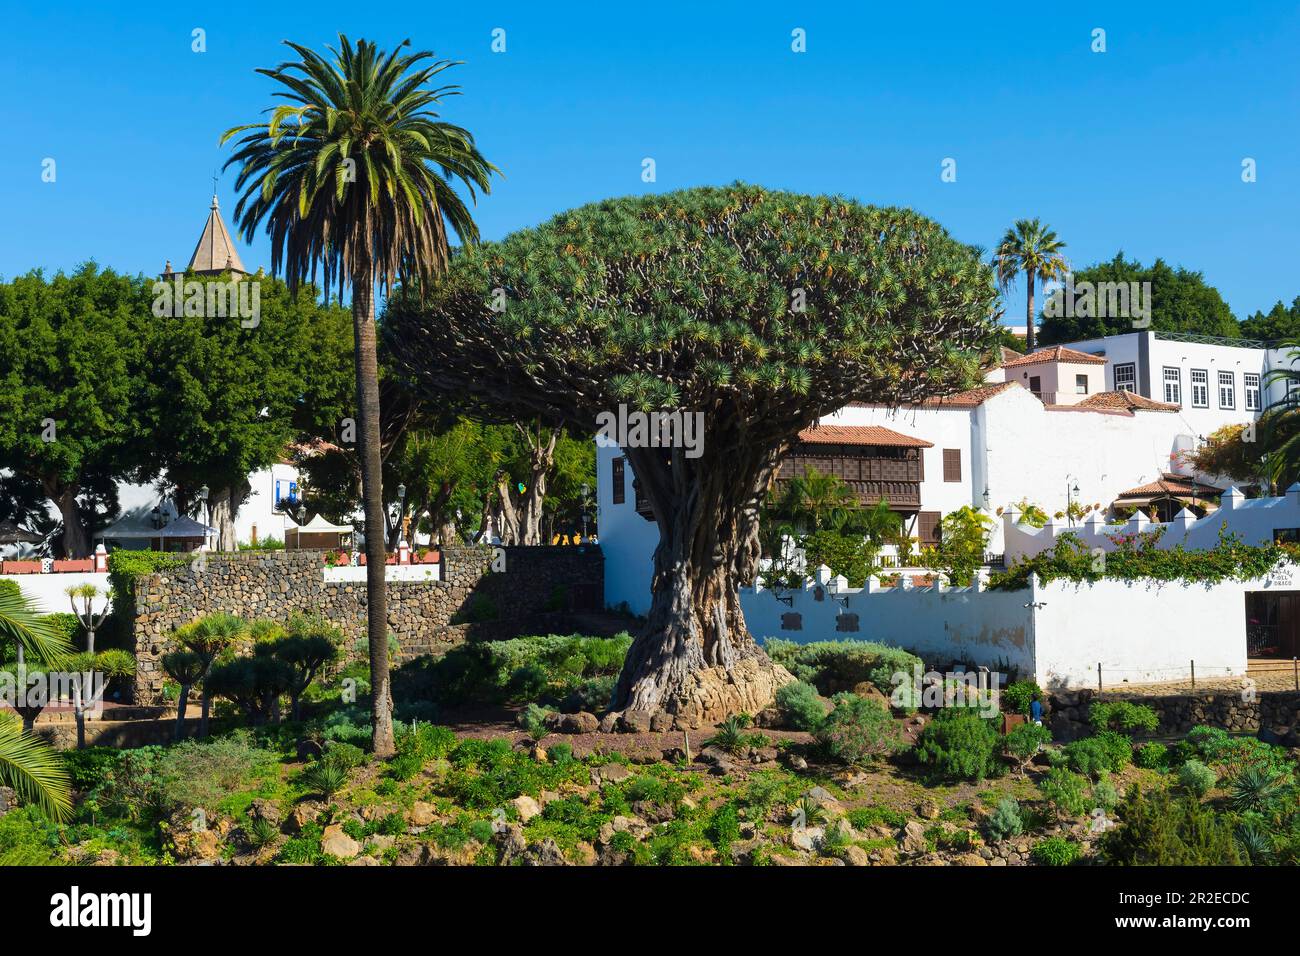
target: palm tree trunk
<point>203,713</point>
<point>367,371</point>
<point>181,706</point>
<point>1031,337</point>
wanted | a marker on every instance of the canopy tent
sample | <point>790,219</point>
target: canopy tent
<point>179,534</point>
<point>10,533</point>
<point>315,534</point>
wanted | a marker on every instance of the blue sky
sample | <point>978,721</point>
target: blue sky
<point>1138,148</point>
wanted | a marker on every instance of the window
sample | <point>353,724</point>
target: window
<point>1200,388</point>
<point>1126,377</point>
<point>1080,385</point>
<point>952,464</point>
<point>620,489</point>
<point>1173,386</point>
<point>1035,384</point>
<point>1227,390</point>
<point>1250,384</point>
<point>286,493</point>
<point>927,527</point>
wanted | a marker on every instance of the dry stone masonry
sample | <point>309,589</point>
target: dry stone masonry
<point>428,617</point>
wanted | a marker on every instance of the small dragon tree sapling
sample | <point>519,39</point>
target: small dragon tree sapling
<point>87,690</point>
<point>208,637</point>
<point>92,622</point>
<point>187,668</point>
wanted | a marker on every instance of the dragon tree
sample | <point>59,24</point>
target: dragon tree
<point>763,311</point>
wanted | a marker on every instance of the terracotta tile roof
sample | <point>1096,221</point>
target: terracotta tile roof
<point>860,435</point>
<point>1126,401</point>
<point>971,398</point>
<point>1010,355</point>
<point>1171,484</point>
<point>1055,353</point>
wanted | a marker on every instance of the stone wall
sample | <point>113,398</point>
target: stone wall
<point>535,593</point>
<point>1179,713</point>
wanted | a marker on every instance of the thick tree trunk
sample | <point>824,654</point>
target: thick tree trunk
<point>223,507</point>
<point>367,372</point>
<point>1031,336</point>
<point>695,658</point>
<point>507,516</point>
<point>76,542</point>
<point>181,705</point>
<point>541,459</point>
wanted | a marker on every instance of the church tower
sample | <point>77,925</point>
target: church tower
<point>215,253</point>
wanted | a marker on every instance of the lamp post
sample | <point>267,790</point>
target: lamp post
<point>1070,494</point>
<point>586,490</point>
<point>203,497</point>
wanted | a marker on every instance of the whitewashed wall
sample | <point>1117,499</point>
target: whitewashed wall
<point>1254,520</point>
<point>1058,633</point>
<point>48,591</point>
<point>627,540</point>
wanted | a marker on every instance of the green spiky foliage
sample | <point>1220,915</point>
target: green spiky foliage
<point>760,310</point>
<point>208,637</point>
<point>87,694</point>
<point>33,770</point>
<point>353,174</point>
<point>1034,250</point>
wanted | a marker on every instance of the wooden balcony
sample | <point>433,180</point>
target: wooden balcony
<point>873,472</point>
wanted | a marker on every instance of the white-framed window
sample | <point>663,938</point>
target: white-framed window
<point>1227,390</point>
<point>1126,377</point>
<point>1173,385</point>
<point>1200,388</point>
<point>1250,385</point>
<point>1081,385</point>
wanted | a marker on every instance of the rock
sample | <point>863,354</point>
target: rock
<point>8,800</point>
<point>855,856</point>
<point>548,796</point>
<point>309,749</point>
<point>546,853</point>
<point>421,814</point>
<point>187,841</point>
<point>609,723</point>
<point>911,839</point>
<point>610,773</point>
<point>581,722</point>
<point>661,722</point>
<point>526,807</point>
<point>635,722</point>
<point>769,717</point>
<point>586,854</point>
<point>382,841</point>
<point>634,826</point>
<point>822,797</point>
<point>365,861</point>
<point>971,859</point>
<point>797,763</point>
<point>928,810</point>
<point>512,842</point>
<point>337,843</point>
<point>301,815</point>
<point>806,838</point>
<point>265,810</point>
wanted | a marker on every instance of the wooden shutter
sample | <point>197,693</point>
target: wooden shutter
<point>620,492</point>
<point>952,464</point>
<point>927,527</point>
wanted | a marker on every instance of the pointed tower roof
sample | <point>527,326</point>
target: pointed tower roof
<point>216,251</point>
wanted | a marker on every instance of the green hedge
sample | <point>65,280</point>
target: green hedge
<point>124,567</point>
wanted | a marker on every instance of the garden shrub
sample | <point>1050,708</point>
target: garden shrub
<point>26,838</point>
<point>1065,791</point>
<point>858,731</point>
<point>800,706</point>
<point>1023,741</point>
<point>1055,851</point>
<point>345,755</point>
<point>1019,695</point>
<point>1152,756</point>
<point>1092,756</point>
<point>833,666</point>
<point>959,744</point>
<point>1104,793</point>
<point>198,773</point>
<point>1161,829</point>
<point>1005,820</point>
<point>351,725</point>
<point>88,767</point>
<point>1122,715</point>
<point>1196,778</point>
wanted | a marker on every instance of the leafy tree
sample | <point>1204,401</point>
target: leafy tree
<point>69,366</point>
<point>1181,301</point>
<point>1281,323</point>
<point>349,175</point>
<point>1034,249</point>
<point>224,400</point>
<point>305,654</point>
<point>763,311</point>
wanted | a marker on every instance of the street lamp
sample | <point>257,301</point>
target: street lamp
<point>1070,494</point>
<point>586,490</point>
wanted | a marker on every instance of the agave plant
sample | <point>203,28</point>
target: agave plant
<point>326,778</point>
<point>1255,843</point>
<point>731,735</point>
<point>1259,787</point>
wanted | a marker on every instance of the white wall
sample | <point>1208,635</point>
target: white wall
<point>47,591</point>
<point>627,540</point>
<point>1058,633</point>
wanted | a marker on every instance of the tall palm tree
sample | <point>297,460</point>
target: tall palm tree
<point>352,174</point>
<point>1031,248</point>
<point>1279,426</point>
